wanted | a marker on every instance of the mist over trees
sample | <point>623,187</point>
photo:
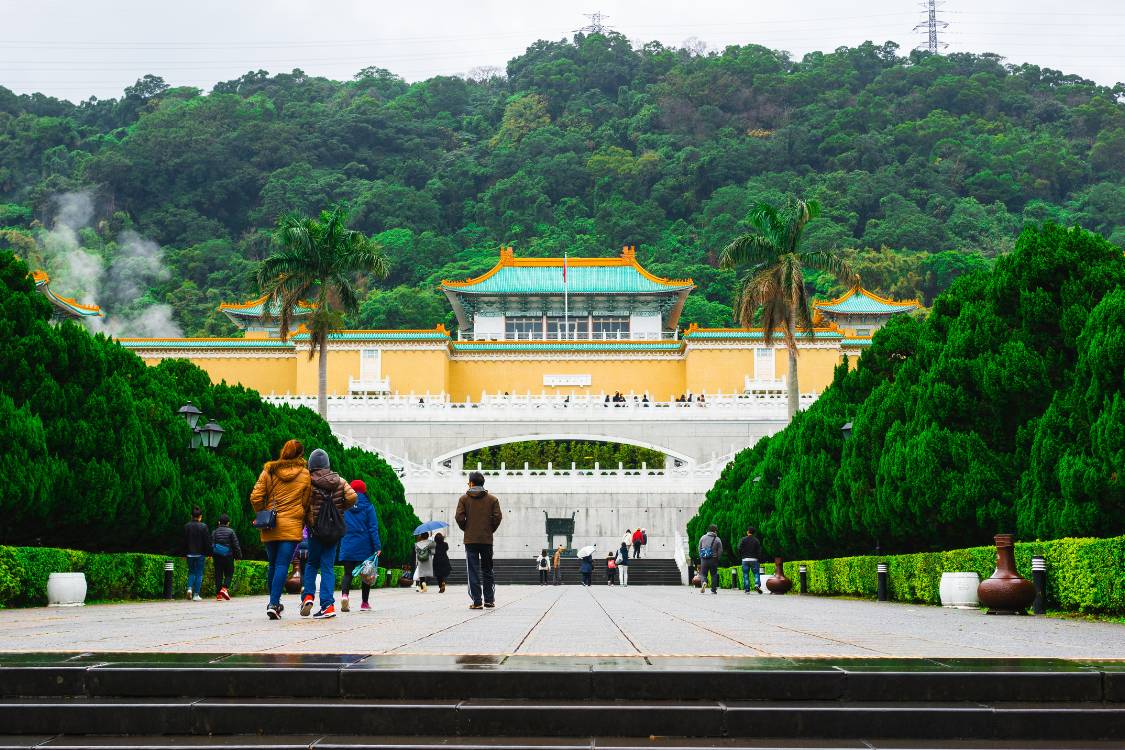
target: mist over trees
<point>928,166</point>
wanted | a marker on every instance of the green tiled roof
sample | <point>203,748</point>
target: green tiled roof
<point>254,309</point>
<point>380,336</point>
<point>859,301</point>
<point>579,280</point>
<point>206,344</point>
<point>856,342</point>
<point>595,346</point>
<point>735,334</point>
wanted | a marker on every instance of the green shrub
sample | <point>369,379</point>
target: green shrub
<point>1083,575</point>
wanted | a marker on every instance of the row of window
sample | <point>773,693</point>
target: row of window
<point>560,327</point>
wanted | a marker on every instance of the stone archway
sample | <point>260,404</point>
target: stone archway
<point>681,458</point>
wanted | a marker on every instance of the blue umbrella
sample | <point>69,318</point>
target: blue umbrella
<point>430,526</point>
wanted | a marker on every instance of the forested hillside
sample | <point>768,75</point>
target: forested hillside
<point>927,165</point>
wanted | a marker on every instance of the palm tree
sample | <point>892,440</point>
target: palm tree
<point>774,279</point>
<point>318,259</point>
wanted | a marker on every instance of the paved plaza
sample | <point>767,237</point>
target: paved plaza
<point>639,621</point>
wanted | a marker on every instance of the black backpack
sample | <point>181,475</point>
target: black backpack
<point>329,527</point>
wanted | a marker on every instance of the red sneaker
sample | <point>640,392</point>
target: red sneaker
<point>325,613</point>
<point>306,605</point>
<point>224,594</point>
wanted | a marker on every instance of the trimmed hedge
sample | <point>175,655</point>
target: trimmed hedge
<point>1083,575</point>
<point>118,575</point>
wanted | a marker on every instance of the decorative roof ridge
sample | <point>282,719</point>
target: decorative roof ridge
<point>260,301</point>
<point>40,277</point>
<point>695,328</point>
<point>859,289</point>
<point>508,259</point>
<point>43,280</point>
<point>555,342</point>
<point>198,338</point>
<point>439,328</point>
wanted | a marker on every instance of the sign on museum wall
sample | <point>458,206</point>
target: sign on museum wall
<point>555,381</point>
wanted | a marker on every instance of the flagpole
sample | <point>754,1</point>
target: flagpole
<point>566,303</point>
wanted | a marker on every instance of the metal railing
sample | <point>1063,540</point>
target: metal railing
<point>577,407</point>
<point>579,336</point>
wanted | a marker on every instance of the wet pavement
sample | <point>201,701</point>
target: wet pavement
<point>652,627</point>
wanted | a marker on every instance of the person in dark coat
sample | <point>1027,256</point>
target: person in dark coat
<point>197,546</point>
<point>586,568</point>
<point>750,552</point>
<point>623,564</point>
<point>360,542</point>
<point>327,487</point>
<point>225,549</point>
<point>442,568</point>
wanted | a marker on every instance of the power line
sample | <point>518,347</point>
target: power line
<point>930,25</point>
<point>596,25</point>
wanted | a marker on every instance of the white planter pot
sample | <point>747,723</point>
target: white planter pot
<point>66,589</point>
<point>959,590</point>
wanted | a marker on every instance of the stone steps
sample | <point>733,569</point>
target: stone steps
<point>479,701</point>
<point>643,572</point>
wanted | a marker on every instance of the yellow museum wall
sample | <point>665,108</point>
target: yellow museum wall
<point>660,378</point>
<point>814,367</point>
<point>416,370</point>
<point>718,370</point>
<point>342,365</point>
<point>268,375</point>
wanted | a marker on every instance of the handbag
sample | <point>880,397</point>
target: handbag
<point>221,550</point>
<point>367,570</point>
<point>266,519</point>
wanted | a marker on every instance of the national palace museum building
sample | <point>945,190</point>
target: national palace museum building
<point>600,326</point>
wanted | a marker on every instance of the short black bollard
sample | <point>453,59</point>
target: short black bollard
<point>882,571</point>
<point>1039,577</point>
<point>168,572</point>
<point>803,575</point>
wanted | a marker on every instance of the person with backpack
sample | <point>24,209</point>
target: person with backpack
<point>225,549</point>
<point>423,560</point>
<point>622,561</point>
<point>710,551</point>
<point>750,552</point>
<point>610,569</point>
<point>543,565</point>
<point>361,541</point>
<point>197,546</point>
<point>331,496</point>
<point>442,566</point>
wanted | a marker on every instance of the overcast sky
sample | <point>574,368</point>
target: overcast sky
<point>73,48</point>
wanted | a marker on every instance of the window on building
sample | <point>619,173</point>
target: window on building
<point>574,327</point>
<point>763,364</point>
<point>863,332</point>
<point>369,364</point>
<point>523,327</point>
<point>611,326</point>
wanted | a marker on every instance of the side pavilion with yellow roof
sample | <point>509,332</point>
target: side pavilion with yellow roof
<point>541,326</point>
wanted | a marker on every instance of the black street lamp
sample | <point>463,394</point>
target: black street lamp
<point>190,414</point>
<point>207,436</point>
<point>847,430</point>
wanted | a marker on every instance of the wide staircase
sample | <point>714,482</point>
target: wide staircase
<point>257,701</point>
<point>643,572</point>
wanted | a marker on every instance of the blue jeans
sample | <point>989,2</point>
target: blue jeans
<point>747,569</point>
<point>279,554</point>
<point>321,558</point>
<point>195,574</point>
<point>478,560</point>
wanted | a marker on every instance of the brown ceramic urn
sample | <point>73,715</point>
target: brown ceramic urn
<point>1006,592</point>
<point>778,583</point>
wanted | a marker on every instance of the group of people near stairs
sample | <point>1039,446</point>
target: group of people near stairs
<point>711,551</point>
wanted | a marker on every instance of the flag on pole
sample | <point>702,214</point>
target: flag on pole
<point>564,268</point>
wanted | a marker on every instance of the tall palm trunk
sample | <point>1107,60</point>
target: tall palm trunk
<point>791,382</point>
<point>322,383</point>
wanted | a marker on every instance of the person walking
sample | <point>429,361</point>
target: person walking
<point>644,541</point>
<point>586,568</point>
<point>197,546</point>
<point>750,551</point>
<point>225,549</point>
<point>610,569</point>
<point>479,516</point>
<point>284,487</point>
<point>326,528</point>
<point>543,565</point>
<point>623,564</point>
<point>638,540</point>
<point>710,551</point>
<point>442,568</point>
<point>423,560</point>
<point>361,541</point>
<point>627,537</point>
<point>556,563</point>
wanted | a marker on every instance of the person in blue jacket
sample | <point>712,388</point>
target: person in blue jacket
<point>360,542</point>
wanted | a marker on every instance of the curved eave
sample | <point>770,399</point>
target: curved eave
<point>71,306</point>
<point>879,305</point>
<point>757,334</point>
